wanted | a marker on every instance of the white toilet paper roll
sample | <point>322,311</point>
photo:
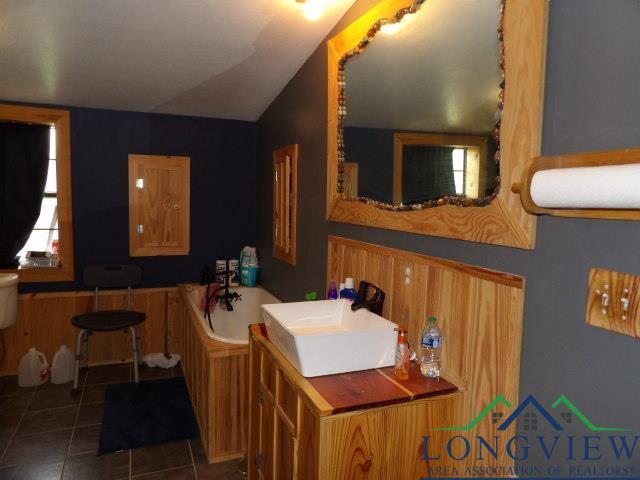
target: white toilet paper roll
<point>609,187</point>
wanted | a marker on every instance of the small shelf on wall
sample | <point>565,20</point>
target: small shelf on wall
<point>597,198</point>
<point>285,203</point>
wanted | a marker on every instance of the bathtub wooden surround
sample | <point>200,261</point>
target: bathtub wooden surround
<point>216,374</point>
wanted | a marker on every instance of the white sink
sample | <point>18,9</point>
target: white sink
<point>326,337</point>
<point>8,299</point>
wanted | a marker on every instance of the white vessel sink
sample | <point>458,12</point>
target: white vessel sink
<point>326,337</point>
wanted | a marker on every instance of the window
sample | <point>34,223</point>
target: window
<point>459,160</point>
<point>45,231</point>
<point>55,221</point>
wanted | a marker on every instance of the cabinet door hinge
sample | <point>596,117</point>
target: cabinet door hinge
<point>140,229</point>
<point>260,396</point>
<point>258,460</point>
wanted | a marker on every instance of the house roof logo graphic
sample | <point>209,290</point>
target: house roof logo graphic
<point>530,402</point>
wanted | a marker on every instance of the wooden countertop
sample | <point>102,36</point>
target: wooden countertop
<point>345,392</point>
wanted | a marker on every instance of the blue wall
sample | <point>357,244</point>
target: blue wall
<point>372,150</point>
<point>223,181</point>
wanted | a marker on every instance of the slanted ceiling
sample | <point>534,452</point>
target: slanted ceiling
<point>212,58</point>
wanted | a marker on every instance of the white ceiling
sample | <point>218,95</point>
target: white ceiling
<point>213,58</point>
<point>438,73</point>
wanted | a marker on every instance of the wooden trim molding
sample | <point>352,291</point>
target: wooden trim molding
<point>62,121</point>
<point>504,221</point>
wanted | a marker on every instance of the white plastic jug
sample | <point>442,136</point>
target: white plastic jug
<point>62,366</point>
<point>33,369</point>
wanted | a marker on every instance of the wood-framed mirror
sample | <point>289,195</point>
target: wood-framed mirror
<point>441,175</point>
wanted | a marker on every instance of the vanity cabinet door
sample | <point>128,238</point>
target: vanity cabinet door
<point>285,450</point>
<point>266,453</point>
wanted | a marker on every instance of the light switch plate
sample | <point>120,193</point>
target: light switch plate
<point>613,301</point>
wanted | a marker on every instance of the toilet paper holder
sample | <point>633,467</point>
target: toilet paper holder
<point>588,159</point>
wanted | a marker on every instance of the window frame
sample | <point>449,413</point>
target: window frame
<point>400,139</point>
<point>61,120</point>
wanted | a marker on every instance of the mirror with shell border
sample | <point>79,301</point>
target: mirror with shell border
<point>414,140</point>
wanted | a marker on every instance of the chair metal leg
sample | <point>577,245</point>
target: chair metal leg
<point>76,375</point>
<point>85,350</point>
<point>140,344</point>
<point>136,376</point>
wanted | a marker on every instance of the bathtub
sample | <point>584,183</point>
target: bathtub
<point>231,327</point>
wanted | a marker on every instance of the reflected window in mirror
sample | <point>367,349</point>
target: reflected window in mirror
<point>420,107</point>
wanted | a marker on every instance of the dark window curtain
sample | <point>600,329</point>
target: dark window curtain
<point>24,161</point>
<point>427,173</point>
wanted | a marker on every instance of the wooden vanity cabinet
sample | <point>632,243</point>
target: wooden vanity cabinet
<point>299,430</point>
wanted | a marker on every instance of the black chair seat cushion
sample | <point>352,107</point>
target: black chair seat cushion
<point>108,320</point>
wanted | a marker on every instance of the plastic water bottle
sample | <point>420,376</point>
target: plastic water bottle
<point>431,361</point>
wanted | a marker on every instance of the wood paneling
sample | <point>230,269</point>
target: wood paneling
<point>44,322</point>
<point>621,290</point>
<point>217,376</point>
<point>480,312</point>
<point>587,159</point>
<point>505,221</point>
<point>160,205</point>
<point>384,443</point>
<point>62,122</point>
<point>285,203</point>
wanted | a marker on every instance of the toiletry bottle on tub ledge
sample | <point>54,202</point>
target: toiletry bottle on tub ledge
<point>332,292</point>
<point>349,291</point>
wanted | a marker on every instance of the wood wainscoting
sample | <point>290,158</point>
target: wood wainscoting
<point>480,312</point>
<point>44,322</point>
<point>217,377</point>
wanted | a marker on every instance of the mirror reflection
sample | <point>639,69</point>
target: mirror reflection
<point>421,126</point>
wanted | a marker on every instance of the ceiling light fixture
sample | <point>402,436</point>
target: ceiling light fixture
<point>391,28</point>
<point>312,10</point>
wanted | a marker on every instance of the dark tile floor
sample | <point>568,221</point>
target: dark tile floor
<point>47,434</point>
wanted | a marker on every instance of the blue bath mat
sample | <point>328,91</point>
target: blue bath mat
<point>148,413</point>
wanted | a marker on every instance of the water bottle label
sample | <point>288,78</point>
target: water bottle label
<point>431,342</point>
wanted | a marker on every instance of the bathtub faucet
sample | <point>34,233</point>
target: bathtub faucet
<point>227,297</point>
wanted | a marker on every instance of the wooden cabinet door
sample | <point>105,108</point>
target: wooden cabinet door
<point>267,451</point>
<point>285,450</point>
<point>159,191</point>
